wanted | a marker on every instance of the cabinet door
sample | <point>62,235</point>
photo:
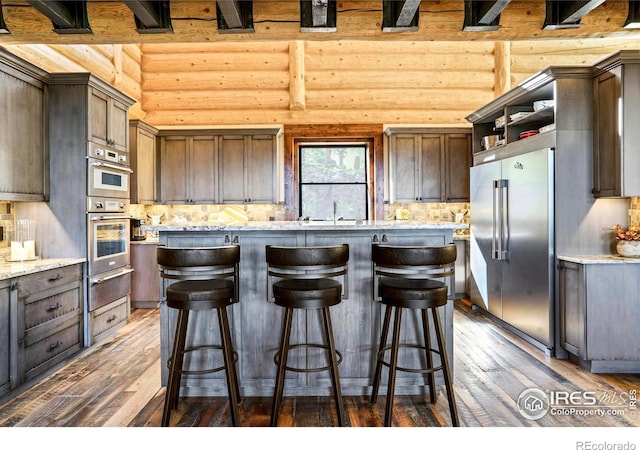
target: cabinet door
<point>607,146</point>
<point>22,137</point>
<point>232,169</point>
<point>572,298</point>
<point>432,186</point>
<point>99,104</point>
<point>458,162</point>
<point>261,170</point>
<point>203,169</point>
<point>118,125</point>
<point>404,166</point>
<point>173,169</point>
<point>142,148</point>
<point>5,345</point>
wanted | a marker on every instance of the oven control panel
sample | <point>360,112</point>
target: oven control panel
<point>107,154</point>
<point>107,205</point>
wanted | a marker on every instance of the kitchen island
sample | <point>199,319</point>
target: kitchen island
<point>255,320</point>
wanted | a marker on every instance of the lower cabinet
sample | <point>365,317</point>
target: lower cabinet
<point>599,315</point>
<point>49,319</point>
<point>6,363</point>
<point>145,276</point>
<point>104,319</point>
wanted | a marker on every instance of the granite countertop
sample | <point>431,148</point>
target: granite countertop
<point>599,259</point>
<point>301,225</point>
<point>16,269</point>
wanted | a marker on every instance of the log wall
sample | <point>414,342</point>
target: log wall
<point>311,82</point>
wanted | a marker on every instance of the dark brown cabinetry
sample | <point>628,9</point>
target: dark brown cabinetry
<point>23,130</point>
<point>616,135</point>
<point>49,319</point>
<point>145,276</point>
<point>599,314</point>
<point>142,151</point>
<point>429,166</point>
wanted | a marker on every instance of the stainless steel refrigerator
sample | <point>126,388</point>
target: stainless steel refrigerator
<point>512,243</point>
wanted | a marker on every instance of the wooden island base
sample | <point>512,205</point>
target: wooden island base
<point>255,320</point>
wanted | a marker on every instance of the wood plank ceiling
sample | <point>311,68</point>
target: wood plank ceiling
<point>149,21</point>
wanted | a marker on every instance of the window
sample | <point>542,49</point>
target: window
<point>333,181</point>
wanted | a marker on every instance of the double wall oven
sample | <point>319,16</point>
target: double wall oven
<point>108,222</point>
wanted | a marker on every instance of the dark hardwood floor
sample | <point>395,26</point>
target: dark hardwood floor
<point>117,384</point>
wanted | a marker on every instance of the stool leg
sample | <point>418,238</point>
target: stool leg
<point>282,364</point>
<point>380,354</point>
<point>431,377</point>
<point>229,363</point>
<point>453,409</point>
<point>335,376</point>
<point>176,360</point>
<point>393,363</point>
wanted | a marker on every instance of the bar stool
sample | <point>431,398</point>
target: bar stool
<point>404,279</point>
<point>207,279</point>
<point>306,281</point>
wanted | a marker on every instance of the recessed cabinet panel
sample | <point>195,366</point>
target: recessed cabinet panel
<point>261,173</point>
<point>108,121</point>
<point>173,166</point>
<point>405,167</point>
<point>232,163</point>
<point>203,165</point>
<point>5,342</point>
<point>142,148</point>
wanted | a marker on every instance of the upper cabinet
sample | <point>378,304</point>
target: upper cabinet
<point>23,130</point>
<point>108,120</point>
<point>248,169</point>
<point>188,169</point>
<point>429,166</point>
<point>616,134</point>
<point>218,166</point>
<point>142,155</point>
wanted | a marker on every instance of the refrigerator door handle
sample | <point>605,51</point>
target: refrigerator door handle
<point>500,233</point>
<point>504,220</point>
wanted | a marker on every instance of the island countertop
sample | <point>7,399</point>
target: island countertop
<point>255,319</point>
<point>307,225</point>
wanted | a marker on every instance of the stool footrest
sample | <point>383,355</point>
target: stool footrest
<point>382,352</point>
<point>203,371</point>
<point>276,359</point>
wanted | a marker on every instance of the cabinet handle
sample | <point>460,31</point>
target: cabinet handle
<point>227,239</point>
<point>54,307</point>
<point>54,346</point>
<point>14,286</point>
<point>374,238</point>
<point>56,277</point>
<point>236,240</point>
<point>112,318</point>
<point>384,238</point>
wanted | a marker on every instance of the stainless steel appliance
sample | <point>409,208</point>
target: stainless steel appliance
<point>107,242</point>
<point>136,232</point>
<point>108,173</point>
<point>512,243</point>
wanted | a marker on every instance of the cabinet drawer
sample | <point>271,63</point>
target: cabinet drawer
<point>43,353</point>
<point>52,304</point>
<point>108,318</point>
<point>48,279</point>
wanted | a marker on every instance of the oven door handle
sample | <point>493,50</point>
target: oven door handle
<point>110,277</point>
<point>112,166</point>
<point>96,219</point>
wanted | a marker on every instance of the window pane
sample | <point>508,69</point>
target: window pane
<point>350,199</point>
<point>333,165</point>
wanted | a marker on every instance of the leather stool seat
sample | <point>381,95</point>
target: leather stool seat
<point>200,294</point>
<point>309,294</point>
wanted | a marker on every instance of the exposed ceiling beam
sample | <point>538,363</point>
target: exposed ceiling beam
<point>400,15</point>
<point>633,17</point>
<point>318,15</point>
<point>567,14</point>
<point>483,15</point>
<point>3,26</point>
<point>152,16</point>
<point>66,16</point>
<point>235,15</point>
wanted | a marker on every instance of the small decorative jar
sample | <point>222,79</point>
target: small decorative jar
<point>629,249</point>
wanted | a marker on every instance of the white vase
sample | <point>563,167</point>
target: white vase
<point>629,249</point>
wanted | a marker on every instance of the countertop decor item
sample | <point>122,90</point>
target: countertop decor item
<point>628,244</point>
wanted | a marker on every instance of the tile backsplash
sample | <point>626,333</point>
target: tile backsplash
<point>445,212</point>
